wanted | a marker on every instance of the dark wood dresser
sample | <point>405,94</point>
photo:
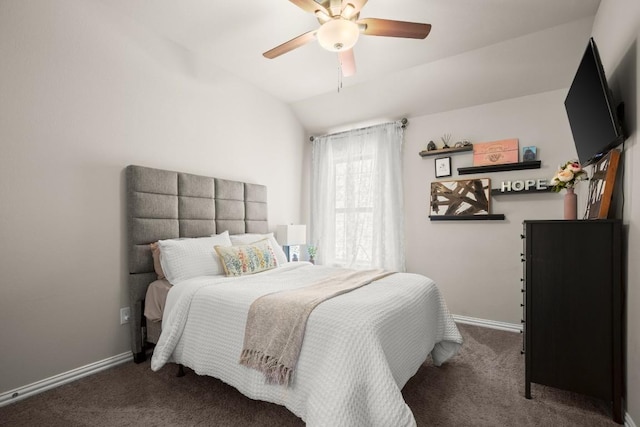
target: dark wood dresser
<point>573,308</point>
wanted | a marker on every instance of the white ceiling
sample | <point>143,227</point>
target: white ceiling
<point>468,38</point>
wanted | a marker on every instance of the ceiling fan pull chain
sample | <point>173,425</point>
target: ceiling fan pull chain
<point>339,75</point>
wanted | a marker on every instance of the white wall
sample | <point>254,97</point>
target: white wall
<point>477,263</point>
<point>616,30</point>
<point>83,93</point>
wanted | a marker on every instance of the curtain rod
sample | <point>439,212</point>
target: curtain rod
<point>403,122</point>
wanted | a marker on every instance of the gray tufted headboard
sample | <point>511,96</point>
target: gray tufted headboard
<point>163,204</point>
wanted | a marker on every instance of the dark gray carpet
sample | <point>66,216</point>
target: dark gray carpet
<point>482,386</point>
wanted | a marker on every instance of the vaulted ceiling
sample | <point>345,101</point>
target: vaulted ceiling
<point>478,51</point>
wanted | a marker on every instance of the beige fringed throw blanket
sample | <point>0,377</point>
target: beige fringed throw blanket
<point>276,322</point>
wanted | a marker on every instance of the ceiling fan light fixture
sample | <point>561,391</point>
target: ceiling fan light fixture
<point>348,11</point>
<point>322,17</point>
<point>338,34</point>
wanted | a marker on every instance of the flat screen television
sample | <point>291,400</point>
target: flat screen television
<point>591,111</point>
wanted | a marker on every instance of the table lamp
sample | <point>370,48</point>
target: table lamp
<point>290,237</point>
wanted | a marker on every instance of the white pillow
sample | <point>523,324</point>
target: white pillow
<point>182,259</point>
<point>249,238</point>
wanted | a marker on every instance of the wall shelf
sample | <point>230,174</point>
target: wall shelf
<point>425,153</point>
<point>536,164</point>
<point>492,217</point>
<point>497,192</point>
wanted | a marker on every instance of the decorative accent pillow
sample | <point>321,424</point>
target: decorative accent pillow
<point>155,253</point>
<point>247,259</point>
<point>250,238</point>
<point>182,259</point>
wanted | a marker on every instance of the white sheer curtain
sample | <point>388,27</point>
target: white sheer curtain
<point>357,198</point>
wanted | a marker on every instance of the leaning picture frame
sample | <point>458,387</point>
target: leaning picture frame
<point>529,153</point>
<point>601,186</point>
<point>443,167</point>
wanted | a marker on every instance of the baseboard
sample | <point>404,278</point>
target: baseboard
<point>493,324</point>
<point>628,422</point>
<point>63,378</point>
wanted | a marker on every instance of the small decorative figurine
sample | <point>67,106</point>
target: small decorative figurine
<point>431,146</point>
<point>463,143</point>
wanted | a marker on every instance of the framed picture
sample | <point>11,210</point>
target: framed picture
<point>462,197</point>
<point>529,153</point>
<point>495,153</point>
<point>443,167</point>
<point>601,185</point>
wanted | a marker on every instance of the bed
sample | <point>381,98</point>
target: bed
<point>163,204</point>
<point>359,348</point>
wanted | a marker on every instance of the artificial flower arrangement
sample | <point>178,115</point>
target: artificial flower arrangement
<point>568,176</point>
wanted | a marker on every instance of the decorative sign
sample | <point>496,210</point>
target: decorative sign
<point>524,185</point>
<point>463,197</point>
<point>495,153</point>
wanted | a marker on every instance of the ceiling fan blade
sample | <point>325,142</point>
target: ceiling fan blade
<point>294,43</point>
<point>310,6</point>
<point>389,28</point>
<point>347,62</point>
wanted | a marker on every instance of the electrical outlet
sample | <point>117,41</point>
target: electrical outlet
<point>125,314</point>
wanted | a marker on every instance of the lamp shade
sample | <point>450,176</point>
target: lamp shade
<point>291,235</point>
<point>338,34</point>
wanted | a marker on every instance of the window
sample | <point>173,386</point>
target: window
<point>356,200</point>
<point>354,215</point>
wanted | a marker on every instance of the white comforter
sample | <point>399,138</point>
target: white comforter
<point>358,352</point>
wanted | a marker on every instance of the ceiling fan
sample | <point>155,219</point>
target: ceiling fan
<point>340,28</point>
